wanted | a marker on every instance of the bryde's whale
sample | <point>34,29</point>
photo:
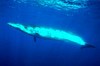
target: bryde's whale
<point>52,34</point>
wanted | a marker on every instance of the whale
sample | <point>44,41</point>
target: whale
<point>44,32</point>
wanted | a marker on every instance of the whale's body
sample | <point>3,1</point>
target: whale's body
<point>49,33</point>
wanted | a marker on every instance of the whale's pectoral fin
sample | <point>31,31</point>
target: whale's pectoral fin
<point>88,46</point>
<point>34,38</point>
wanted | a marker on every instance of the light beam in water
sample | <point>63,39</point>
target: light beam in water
<point>57,4</point>
<point>49,33</point>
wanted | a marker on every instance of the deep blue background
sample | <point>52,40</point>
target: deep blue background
<point>19,49</point>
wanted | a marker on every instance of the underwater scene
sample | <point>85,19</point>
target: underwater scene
<point>49,32</point>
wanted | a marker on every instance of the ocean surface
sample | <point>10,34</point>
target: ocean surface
<point>19,49</point>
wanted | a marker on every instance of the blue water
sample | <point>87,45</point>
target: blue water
<point>19,49</point>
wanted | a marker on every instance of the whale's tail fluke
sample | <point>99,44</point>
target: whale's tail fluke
<point>88,46</point>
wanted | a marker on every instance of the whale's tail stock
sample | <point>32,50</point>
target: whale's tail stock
<point>88,46</point>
